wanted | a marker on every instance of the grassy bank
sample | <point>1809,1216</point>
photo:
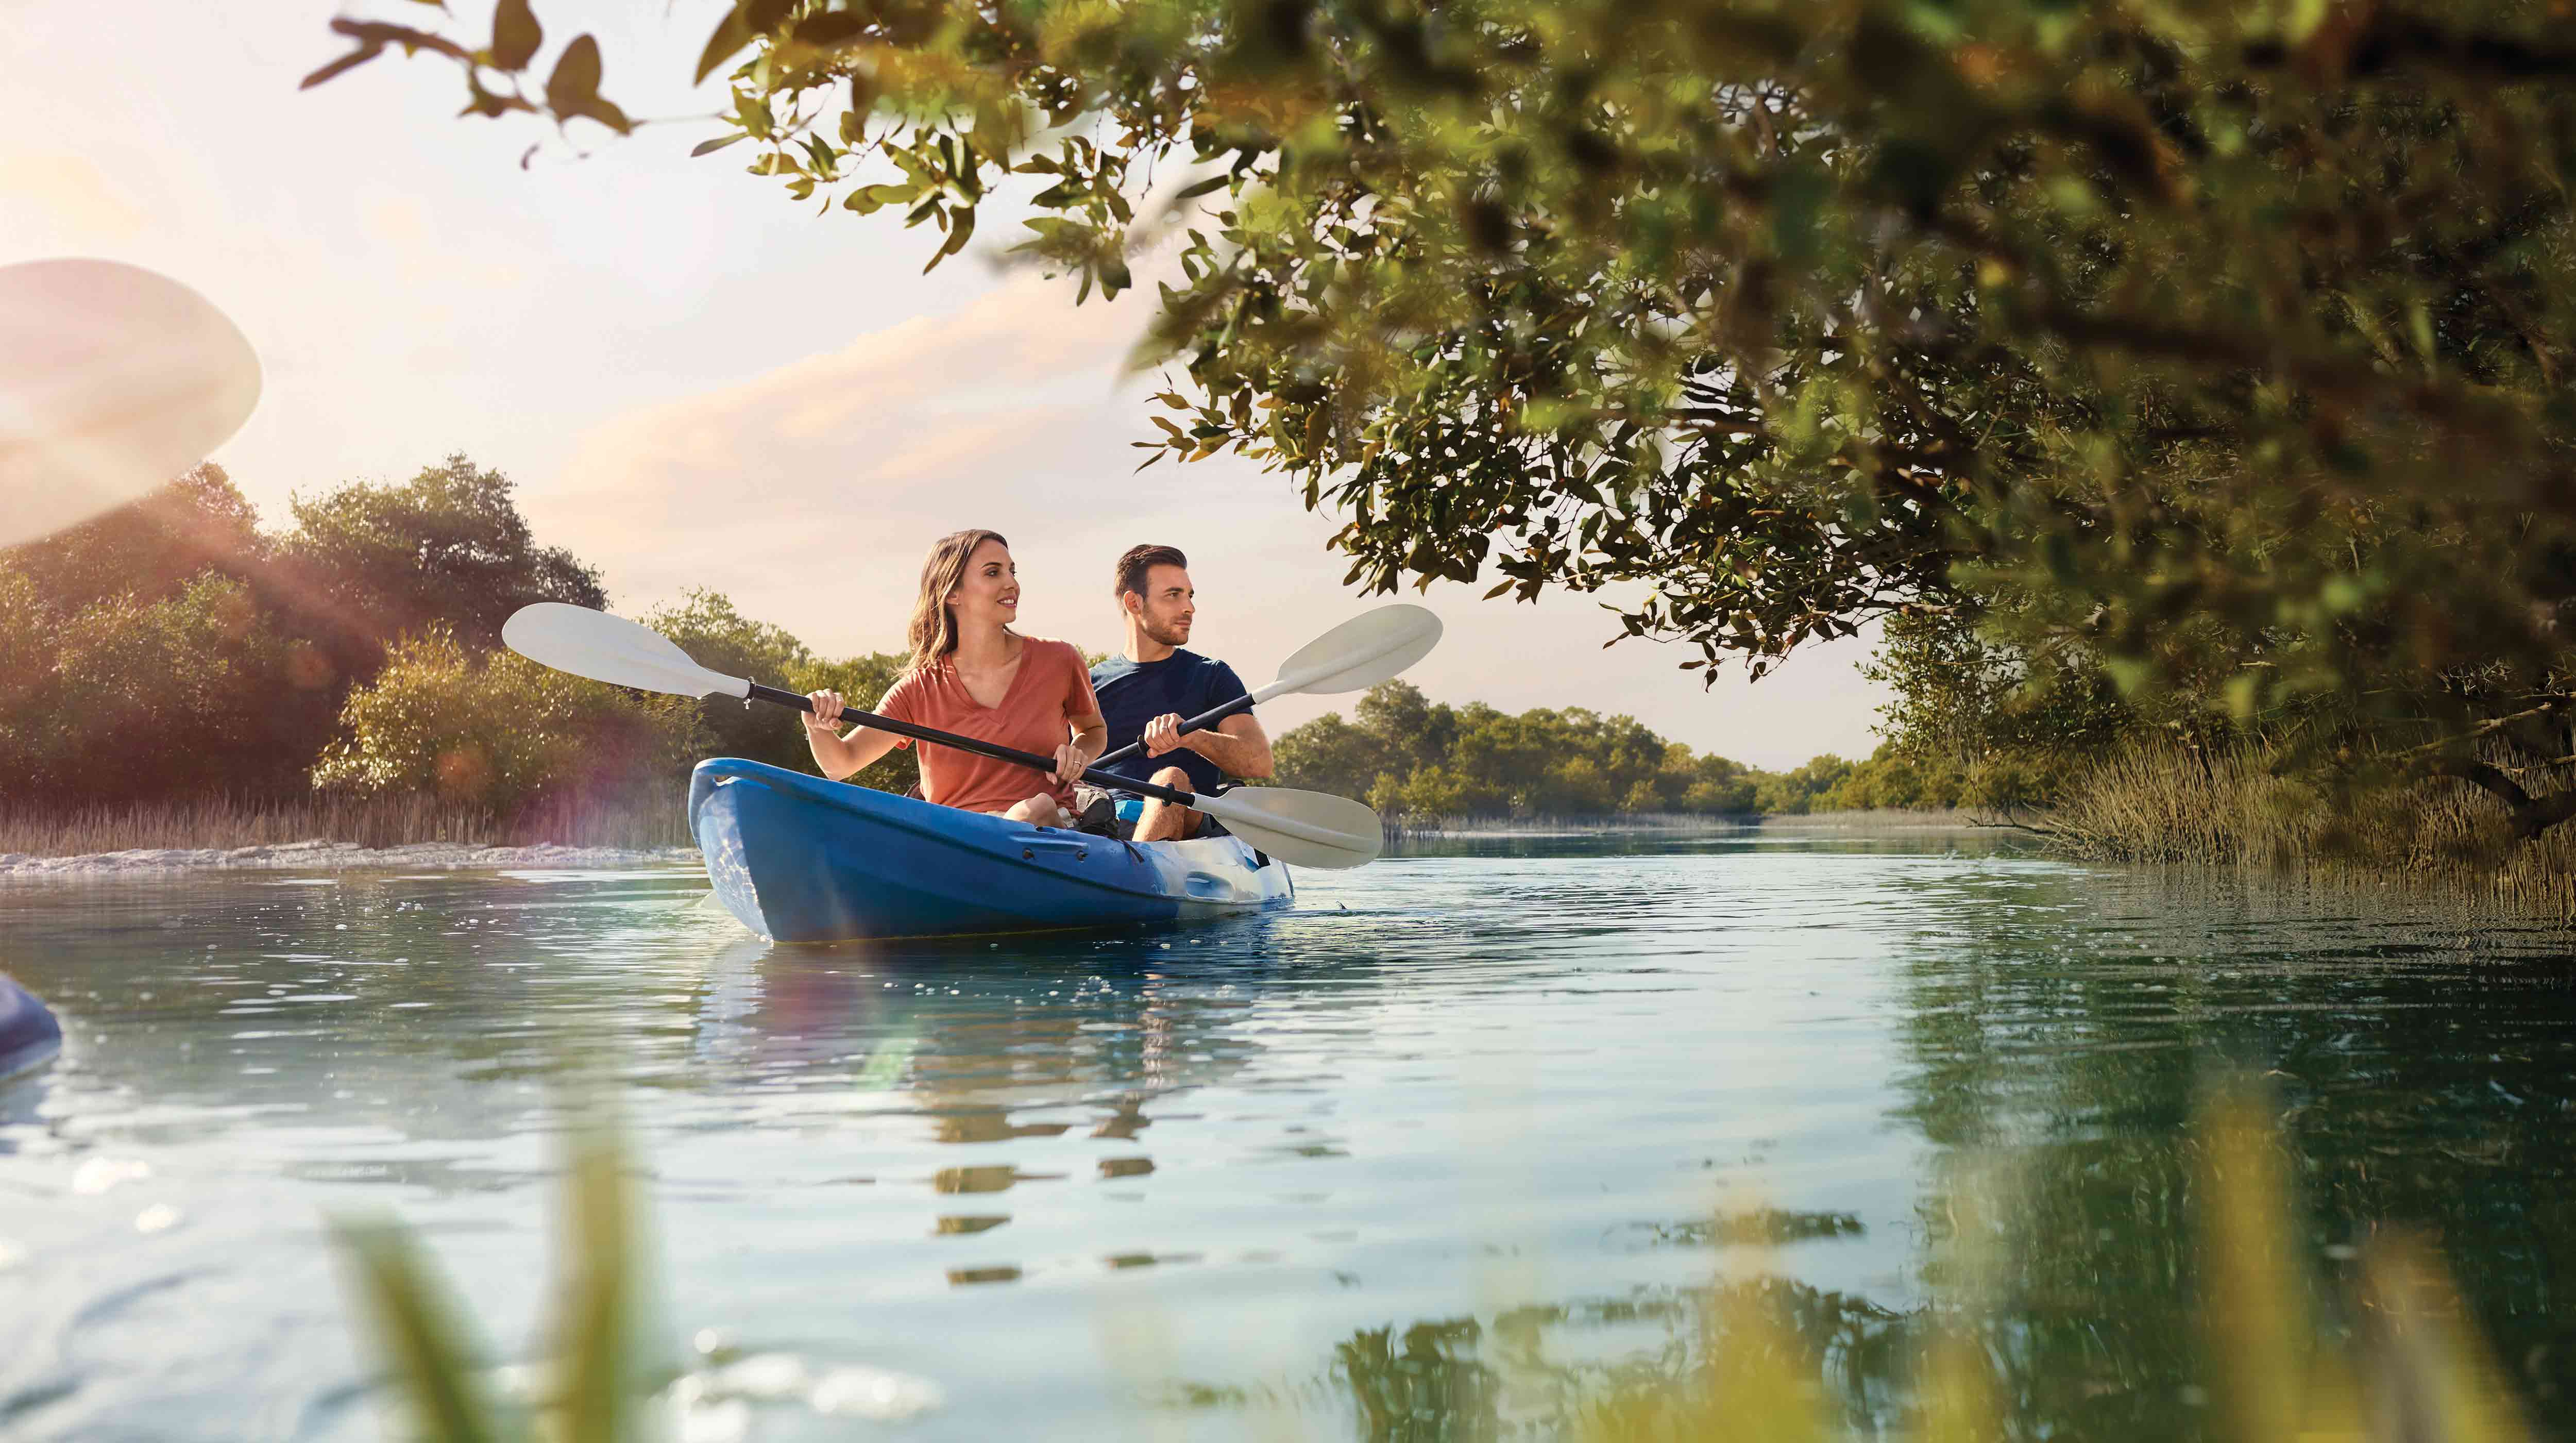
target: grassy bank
<point>1585,824</point>
<point>222,822</point>
<point>2167,805</point>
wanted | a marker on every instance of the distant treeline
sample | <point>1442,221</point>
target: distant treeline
<point>1411,757</point>
<point>176,650</point>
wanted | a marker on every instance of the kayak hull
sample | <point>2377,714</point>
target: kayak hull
<point>29,1035</point>
<point>797,858</point>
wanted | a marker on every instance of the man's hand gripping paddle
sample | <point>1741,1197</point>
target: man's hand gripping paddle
<point>1369,648</point>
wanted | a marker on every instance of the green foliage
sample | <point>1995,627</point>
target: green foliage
<point>126,698</point>
<point>1411,757</point>
<point>197,525</point>
<point>499,731</point>
<point>1797,792</point>
<point>602,1365</point>
<point>374,562</point>
<point>2000,724</point>
<point>2226,344</point>
<point>171,648</point>
<point>707,626</point>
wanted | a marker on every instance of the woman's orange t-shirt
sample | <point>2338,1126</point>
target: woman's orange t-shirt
<point>1051,691</point>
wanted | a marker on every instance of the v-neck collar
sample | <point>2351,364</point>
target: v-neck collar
<point>1008,692</point>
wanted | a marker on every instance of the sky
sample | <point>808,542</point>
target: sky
<point>695,381</point>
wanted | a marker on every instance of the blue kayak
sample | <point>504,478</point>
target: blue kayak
<point>800,859</point>
<point>28,1033</point>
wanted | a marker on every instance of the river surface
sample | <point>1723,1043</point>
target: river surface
<point>1457,1142</point>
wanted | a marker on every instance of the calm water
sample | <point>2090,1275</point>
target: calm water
<point>1428,1157</point>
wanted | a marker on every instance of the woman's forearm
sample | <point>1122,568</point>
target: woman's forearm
<point>831,752</point>
<point>837,756</point>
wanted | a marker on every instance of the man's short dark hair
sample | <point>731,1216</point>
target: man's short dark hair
<point>1140,561</point>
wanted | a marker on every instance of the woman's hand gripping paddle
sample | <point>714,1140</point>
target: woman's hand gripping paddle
<point>1304,829</point>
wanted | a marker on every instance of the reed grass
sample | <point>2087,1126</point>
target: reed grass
<point>2415,1372</point>
<point>2164,804</point>
<point>224,822</point>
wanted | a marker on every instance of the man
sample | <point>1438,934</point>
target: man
<point>1147,694</point>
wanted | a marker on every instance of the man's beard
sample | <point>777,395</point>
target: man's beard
<point>1166,633</point>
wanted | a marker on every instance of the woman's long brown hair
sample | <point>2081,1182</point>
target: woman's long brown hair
<point>933,633</point>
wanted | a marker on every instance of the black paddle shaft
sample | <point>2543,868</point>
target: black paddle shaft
<point>995,750</point>
<point>1201,722</point>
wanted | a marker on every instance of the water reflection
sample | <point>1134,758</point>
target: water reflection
<point>2060,1031</point>
<point>1454,1150</point>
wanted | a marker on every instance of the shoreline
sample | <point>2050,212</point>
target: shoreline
<point>322,855</point>
<point>318,855</point>
<point>1890,820</point>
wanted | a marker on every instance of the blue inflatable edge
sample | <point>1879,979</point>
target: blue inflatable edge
<point>29,1035</point>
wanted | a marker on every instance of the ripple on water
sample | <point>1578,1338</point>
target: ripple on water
<point>1506,1107</point>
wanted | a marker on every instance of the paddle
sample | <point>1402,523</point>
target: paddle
<point>1307,829</point>
<point>113,380</point>
<point>1369,648</point>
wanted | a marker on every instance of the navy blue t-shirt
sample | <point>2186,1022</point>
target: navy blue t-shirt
<point>1132,695</point>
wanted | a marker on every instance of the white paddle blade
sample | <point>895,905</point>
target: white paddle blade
<point>1303,829</point>
<point>611,649</point>
<point>1370,648</point>
<point>113,380</point>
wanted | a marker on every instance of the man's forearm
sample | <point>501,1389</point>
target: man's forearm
<point>1235,756</point>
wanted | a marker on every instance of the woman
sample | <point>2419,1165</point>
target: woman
<point>972,674</point>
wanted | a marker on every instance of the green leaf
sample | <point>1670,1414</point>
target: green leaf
<point>832,28</point>
<point>515,36</point>
<point>868,198</point>
<point>417,1326</point>
<point>710,147</point>
<point>731,34</point>
<point>597,1339</point>
<point>573,89</point>
<point>1212,183</point>
<point>961,225</point>
<point>753,112</point>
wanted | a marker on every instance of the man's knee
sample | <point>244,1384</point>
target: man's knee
<point>1168,821</point>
